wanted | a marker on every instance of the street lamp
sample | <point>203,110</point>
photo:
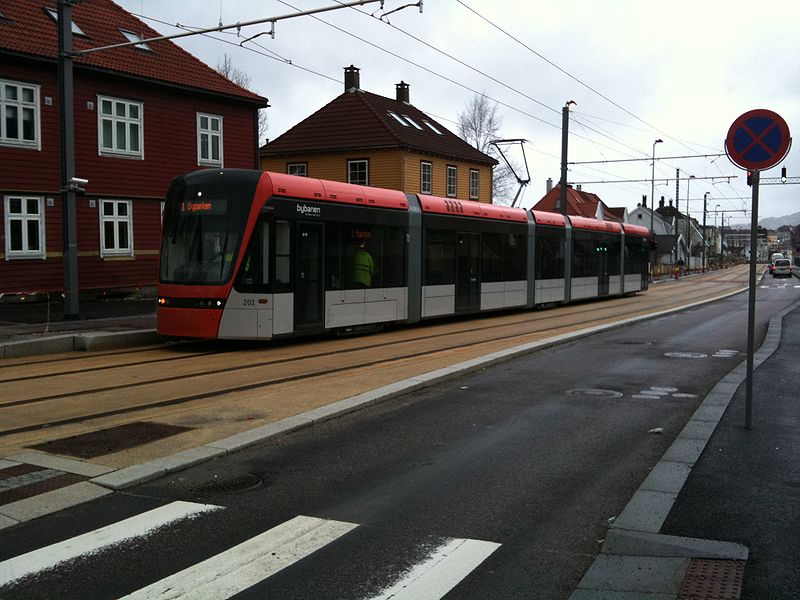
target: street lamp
<point>562,192</point>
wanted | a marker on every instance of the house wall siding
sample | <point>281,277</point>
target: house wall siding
<point>170,148</point>
<point>392,169</point>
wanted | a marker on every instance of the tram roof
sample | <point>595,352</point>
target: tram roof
<point>595,224</point>
<point>335,191</point>
<point>635,230</point>
<point>471,208</point>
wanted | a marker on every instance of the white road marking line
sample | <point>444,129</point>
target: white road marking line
<point>441,572</point>
<point>242,566</point>
<point>93,541</point>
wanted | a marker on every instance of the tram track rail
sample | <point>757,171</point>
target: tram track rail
<point>576,315</point>
<point>525,318</point>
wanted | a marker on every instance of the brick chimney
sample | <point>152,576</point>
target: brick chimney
<point>352,80</point>
<point>402,92</point>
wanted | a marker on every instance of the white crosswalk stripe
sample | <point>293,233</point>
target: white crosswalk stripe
<point>247,564</point>
<point>235,570</point>
<point>441,572</point>
<point>88,543</point>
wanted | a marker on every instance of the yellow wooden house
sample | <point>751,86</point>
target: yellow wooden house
<point>363,138</point>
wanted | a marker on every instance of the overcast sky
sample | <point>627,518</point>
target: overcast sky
<point>681,72</point>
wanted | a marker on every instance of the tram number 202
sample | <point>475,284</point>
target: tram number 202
<point>249,302</point>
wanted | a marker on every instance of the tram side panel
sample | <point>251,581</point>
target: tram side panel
<point>549,268</point>
<point>473,264</point>
<point>636,257</point>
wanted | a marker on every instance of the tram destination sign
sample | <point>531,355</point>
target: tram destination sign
<point>758,139</point>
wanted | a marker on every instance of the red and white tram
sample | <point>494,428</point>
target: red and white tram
<point>260,255</point>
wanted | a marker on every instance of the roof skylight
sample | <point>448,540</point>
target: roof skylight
<point>135,37</point>
<point>397,118</point>
<point>433,127</point>
<point>410,120</point>
<point>54,15</point>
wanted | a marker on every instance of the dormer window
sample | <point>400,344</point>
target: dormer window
<point>136,38</point>
<point>54,15</point>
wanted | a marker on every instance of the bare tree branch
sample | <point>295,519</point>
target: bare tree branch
<point>226,68</point>
<point>479,124</point>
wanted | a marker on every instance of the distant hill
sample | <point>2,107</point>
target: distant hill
<point>775,222</point>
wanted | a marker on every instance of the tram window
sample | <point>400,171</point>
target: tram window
<point>440,255</point>
<point>363,256</point>
<point>636,256</point>
<point>393,263</point>
<point>254,273</point>
<point>282,255</point>
<point>492,257</point>
<point>614,250</point>
<point>333,256</point>
<point>549,255</point>
<point>584,255</point>
<point>515,257</point>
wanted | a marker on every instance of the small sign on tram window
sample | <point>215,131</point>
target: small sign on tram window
<point>204,206</point>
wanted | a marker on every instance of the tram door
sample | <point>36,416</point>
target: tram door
<point>602,272</point>
<point>468,263</point>
<point>308,292</point>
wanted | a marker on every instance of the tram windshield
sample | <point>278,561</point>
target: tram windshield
<point>204,220</point>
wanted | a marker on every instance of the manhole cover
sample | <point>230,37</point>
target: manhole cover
<point>229,485</point>
<point>686,354</point>
<point>594,393</point>
<point>718,579</point>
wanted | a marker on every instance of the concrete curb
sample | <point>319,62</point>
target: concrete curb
<point>638,562</point>
<point>86,341</point>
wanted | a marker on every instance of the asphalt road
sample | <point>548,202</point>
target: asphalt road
<point>523,464</point>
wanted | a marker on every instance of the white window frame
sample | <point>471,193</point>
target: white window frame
<point>423,180</point>
<point>210,134</point>
<point>21,105</point>
<point>117,220</point>
<point>25,218</point>
<point>355,163</point>
<point>474,184</point>
<point>298,169</point>
<point>452,190</point>
<point>125,121</point>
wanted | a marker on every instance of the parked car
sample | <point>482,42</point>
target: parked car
<point>781,267</point>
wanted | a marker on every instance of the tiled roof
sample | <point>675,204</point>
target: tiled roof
<point>579,203</point>
<point>359,120</point>
<point>27,29</point>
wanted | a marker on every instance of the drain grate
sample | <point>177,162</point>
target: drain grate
<point>230,485</point>
<point>113,439</point>
<point>717,579</point>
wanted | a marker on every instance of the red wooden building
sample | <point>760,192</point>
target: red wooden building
<point>143,114</point>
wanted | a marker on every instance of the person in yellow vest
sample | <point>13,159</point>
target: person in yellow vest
<point>363,267</point>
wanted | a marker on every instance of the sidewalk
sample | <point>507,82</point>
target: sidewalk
<point>719,516</point>
<point>39,327</point>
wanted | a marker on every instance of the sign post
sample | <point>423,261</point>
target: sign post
<point>758,139</point>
